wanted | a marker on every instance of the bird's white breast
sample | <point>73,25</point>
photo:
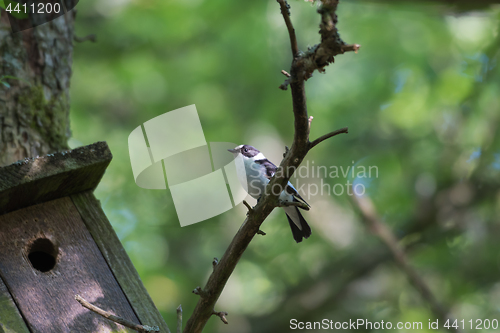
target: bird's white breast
<point>253,176</point>
<point>256,177</point>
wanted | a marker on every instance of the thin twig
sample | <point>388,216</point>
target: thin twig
<point>198,291</point>
<point>327,136</point>
<point>215,262</point>
<point>284,85</point>
<point>248,207</point>
<point>352,47</point>
<point>179,319</point>
<point>260,232</point>
<point>287,150</point>
<point>380,229</point>
<point>91,37</point>
<point>285,11</point>
<point>222,315</point>
<point>285,73</point>
<point>116,319</point>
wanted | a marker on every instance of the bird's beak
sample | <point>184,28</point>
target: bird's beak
<point>233,151</point>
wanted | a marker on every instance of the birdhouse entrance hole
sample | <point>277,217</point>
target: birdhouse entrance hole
<point>42,255</point>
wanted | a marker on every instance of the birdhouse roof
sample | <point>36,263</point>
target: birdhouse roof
<point>36,180</point>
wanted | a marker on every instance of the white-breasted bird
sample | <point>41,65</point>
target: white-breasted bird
<point>259,170</point>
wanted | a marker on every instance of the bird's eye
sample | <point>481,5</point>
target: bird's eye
<point>245,150</point>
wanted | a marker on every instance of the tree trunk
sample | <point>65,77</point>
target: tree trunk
<point>34,99</point>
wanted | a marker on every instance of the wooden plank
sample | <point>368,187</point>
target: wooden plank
<point>53,176</point>
<point>46,299</point>
<point>10,318</point>
<point>116,257</point>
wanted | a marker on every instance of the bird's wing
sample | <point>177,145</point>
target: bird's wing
<point>270,167</point>
<point>291,190</point>
<point>271,170</point>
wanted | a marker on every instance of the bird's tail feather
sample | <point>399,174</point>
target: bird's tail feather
<point>295,219</point>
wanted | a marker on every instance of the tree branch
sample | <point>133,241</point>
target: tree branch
<point>352,47</point>
<point>285,73</point>
<point>380,229</point>
<point>116,319</point>
<point>321,55</point>
<point>285,11</point>
<point>179,319</point>
<point>327,136</point>
<point>222,315</point>
<point>250,209</point>
<point>301,65</point>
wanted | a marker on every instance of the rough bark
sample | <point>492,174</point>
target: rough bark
<point>34,105</point>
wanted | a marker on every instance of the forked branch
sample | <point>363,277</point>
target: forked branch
<point>303,64</point>
<point>222,315</point>
<point>327,136</point>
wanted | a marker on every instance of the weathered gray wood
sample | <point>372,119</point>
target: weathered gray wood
<point>46,299</point>
<point>53,176</point>
<point>10,318</point>
<point>118,260</point>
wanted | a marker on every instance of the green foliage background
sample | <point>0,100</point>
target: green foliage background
<point>421,100</point>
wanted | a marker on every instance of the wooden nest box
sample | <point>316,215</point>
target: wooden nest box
<point>56,242</point>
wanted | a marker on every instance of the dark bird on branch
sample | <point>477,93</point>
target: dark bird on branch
<point>255,171</point>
